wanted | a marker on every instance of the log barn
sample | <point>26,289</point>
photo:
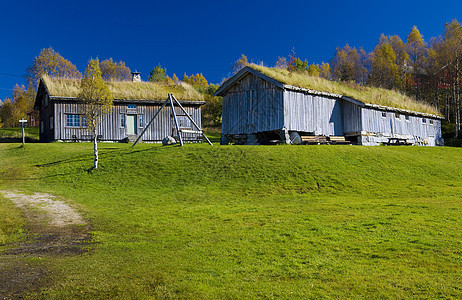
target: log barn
<point>61,115</point>
<point>259,109</point>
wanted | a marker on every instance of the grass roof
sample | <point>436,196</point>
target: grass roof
<point>371,95</point>
<point>64,87</point>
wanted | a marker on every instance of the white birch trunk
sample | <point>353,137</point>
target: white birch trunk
<point>95,148</point>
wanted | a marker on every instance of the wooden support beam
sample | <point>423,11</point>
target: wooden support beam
<point>191,119</point>
<point>150,122</point>
<point>175,118</point>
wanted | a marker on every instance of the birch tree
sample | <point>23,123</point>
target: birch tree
<point>349,64</point>
<point>451,56</point>
<point>116,71</point>
<point>51,63</point>
<point>98,100</point>
<point>417,51</point>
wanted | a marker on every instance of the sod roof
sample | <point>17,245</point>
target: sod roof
<point>124,90</point>
<point>369,95</point>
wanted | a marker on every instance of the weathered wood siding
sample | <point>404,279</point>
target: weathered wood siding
<point>373,121</point>
<point>320,115</point>
<point>110,126</point>
<point>46,124</point>
<point>351,117</point>
<point>242,115</point>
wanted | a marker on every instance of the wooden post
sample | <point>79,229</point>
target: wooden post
<point>175,119</point>
<point>23,124</point>
<point>150,122</point>
<point>191,119</point>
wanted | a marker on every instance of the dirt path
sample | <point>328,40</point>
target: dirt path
<point>55,230</point>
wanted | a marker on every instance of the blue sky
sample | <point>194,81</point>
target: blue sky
<point>203,36</point>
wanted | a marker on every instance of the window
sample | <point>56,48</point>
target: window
<point>384,114</point>
<point>397,115</point>
<point>407,118</point>
<point>131,106</point>
<point>250,94</point>
<point>122,121</point>
<point>184,122</point>
<point>51,122</point>
<point>424,120</point>
<point>45,100</point>
<point>431,122</point>
<point>41,126</point>
<point>140,117</point>
<point>75,121</point>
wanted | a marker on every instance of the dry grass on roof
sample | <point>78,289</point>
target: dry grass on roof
<point>65,87</point>
<point>370,95</point>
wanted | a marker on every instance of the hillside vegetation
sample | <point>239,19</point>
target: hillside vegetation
<point>244,222</point>
<point>366,94</point>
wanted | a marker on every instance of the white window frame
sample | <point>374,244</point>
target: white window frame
<point>384,114</point>
<point>75,121</point>
<point>140,121</point>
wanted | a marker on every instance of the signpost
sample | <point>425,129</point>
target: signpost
<point>23,124</point>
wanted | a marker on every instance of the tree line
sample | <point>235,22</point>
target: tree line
<point>51,63</point>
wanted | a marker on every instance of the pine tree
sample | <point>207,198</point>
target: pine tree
<point>158,74</point>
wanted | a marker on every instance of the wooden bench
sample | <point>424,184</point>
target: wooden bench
<point>86,137</point>
<point>313,139</point>
<point>338,140</point>
<point>397,142</point>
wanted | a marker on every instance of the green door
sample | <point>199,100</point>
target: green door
<point>131,124</point>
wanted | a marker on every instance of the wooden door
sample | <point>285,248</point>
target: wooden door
<point>131,124</point>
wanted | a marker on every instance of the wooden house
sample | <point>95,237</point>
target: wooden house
<point>259,109</point>
<point>61,115</point>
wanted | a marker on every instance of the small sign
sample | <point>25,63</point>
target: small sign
<point>23,124</point>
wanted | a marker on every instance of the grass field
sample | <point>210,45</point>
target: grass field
<point>14,135</point>
<point>244,222</point>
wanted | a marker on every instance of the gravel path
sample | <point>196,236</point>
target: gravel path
<point>55,230</point>
<point>58,213</point>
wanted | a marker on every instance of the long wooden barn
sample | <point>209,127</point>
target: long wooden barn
<point>61,115</point>
<point>259,109</point>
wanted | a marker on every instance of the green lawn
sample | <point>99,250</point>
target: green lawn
<point>240,222</point>
<point>15,134</point>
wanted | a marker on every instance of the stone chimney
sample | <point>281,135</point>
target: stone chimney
<point>136,77</point>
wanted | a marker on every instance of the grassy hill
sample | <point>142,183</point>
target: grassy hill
<point>240,222</point>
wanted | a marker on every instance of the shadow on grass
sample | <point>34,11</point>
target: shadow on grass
<point>17,140</point>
